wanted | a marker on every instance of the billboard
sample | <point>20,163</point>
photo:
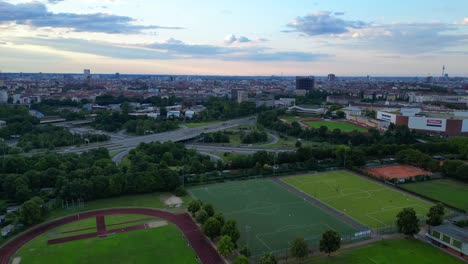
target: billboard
<point>385,116</point>
<point>426,123</point>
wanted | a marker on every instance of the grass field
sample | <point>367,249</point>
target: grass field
<point>366,201</point>
<point>199,124</point>
<point>164,244</point>
<point>450,192</point>
<point>388,252</point>
<point>268,216</point>
<point>332,125</point>
<point>151,200</point>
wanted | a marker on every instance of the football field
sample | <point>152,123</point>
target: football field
<point>370,203</point>
<point>332,125</point>
<point>451,192</point>
<point>269,217</point>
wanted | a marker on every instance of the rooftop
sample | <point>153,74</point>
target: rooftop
<point>453,231</point>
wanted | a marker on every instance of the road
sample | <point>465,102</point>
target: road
<point>238,150</point>
<point>123,143</point>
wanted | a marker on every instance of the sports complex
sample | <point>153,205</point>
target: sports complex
<point>270,213</point>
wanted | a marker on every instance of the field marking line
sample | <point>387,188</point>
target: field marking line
<point>263,242</point>
<point>344,195</point>
<point>260,208</point>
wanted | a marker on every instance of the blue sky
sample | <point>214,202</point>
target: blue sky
<point>256,37</point>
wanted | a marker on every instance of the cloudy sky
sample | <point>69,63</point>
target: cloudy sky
<point>242,37</point>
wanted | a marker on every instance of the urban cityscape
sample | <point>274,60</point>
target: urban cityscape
<point>233,132</point>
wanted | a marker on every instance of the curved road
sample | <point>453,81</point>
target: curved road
<point>200,244</point>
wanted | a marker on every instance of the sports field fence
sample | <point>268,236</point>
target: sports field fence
<point>283,255</point>
<point>250,174</point>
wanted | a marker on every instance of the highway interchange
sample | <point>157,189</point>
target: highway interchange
<point>120,144</point>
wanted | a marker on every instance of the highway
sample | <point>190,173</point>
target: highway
<point>239,150</point>
<point>123,143</point>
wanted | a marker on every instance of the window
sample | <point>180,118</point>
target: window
<point>457,243</point>
<point>435,234</point>
<point>446,239</point>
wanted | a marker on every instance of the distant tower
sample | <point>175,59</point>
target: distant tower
<point>443,70</point>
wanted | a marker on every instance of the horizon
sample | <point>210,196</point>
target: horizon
<point>221,38</point>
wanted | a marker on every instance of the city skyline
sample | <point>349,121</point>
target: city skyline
<point>243,38</point>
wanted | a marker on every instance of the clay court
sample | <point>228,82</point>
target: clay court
<point>397,172</point>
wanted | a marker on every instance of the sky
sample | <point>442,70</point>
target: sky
<point>242,37</point>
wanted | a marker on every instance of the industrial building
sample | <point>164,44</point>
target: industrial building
<point>453,123</point>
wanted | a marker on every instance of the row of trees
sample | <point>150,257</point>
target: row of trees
<point>49,136</point>
<point>253,137</point>
<point>214,225</point>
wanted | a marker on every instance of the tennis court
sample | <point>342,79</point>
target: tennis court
<point>269,217</point>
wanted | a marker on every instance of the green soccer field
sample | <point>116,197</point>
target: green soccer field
<point>366,201</point>
<point>269,216</point>
<point>387,252</point>
<point>450,192</point>
<point>332,125</point>
<point>164,244</point>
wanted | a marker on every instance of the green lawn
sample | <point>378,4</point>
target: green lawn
<point>152,200</point>
<point>332,125</point>
<point>268,216</point>
<point>199,124</point>
<point>162,245</point>
<point>450,192</point>
<point>366,201</point>
<point>388,252</point>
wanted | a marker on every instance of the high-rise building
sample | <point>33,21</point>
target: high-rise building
<point>3,96</point>
<point>86,73</point>
<point>305,83</point>
<point>331,77</point>
<point>234,94</point>
<point>242,96</point>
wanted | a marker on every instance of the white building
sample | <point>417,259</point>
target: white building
<point>3,96</point>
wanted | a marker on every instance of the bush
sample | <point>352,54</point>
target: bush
<point>180,192</point>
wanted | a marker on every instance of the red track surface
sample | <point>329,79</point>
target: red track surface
<point>206,253</point>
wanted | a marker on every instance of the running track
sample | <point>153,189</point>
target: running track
<point>201,245</point>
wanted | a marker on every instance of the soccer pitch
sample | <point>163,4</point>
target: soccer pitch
<point>366,201</point>
<point>450,192</point>
<point>332,125</point>
<point>269,217</point>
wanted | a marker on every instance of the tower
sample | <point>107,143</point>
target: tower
<point>443,70</point>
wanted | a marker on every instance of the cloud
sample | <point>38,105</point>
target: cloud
<point>231,39</point>
<point>465,21</point>
<point>171,49</point>
<point>322,23</point>
<point>96,48</point>
<point>410,38</point>
<point>54,1</point>
<point>339,13</point>
<point>35,14</point>
<point>280,56</point>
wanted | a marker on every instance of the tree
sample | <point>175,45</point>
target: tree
<point>230,229</point>
<point>194,206</point>
<point>245,251</point>
<point>330,242</point>
<point>225,246</point>
<point>299,248</point>
<point>220,218</point>
<point>208,209</point>
<point>212,227</point>
<point>435,215</point>
<point>241,260</point>
<point>201,216</point>
<point>268,259</point>
<point>298,144</point>
<point>408,222</point>
<point>33,211</point>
